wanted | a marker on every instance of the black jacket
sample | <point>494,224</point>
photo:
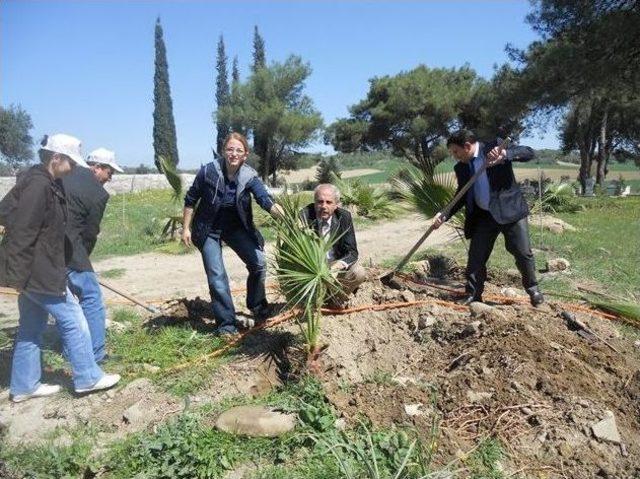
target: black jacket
<point>87,200</point>
<point>34,250</point>
<point>346,247</point>
<point>506,203</point>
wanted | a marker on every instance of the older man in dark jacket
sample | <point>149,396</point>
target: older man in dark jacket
<point>327,219</point>
<point>494,205</point>
<point>87,200</point>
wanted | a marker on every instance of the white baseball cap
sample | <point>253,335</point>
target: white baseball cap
<point>102,156</point>
<point>65,145</point>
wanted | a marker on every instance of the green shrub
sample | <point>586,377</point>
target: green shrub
<point>366,200</point>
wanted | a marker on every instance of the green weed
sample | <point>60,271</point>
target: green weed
<point>113,273</point>
<point>138,349</point>
<point>484,462</point>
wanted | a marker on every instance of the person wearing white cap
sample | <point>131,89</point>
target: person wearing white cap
<point>33,261</point>
<point>87,200</point>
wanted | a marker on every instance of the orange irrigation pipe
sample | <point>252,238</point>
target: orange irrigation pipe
<point>163,300</point>
<point>509,300</point>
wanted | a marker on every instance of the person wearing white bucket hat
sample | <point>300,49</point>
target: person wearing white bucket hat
<point>87,200</point>
<point>33,256</point>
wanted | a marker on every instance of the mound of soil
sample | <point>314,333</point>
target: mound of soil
<point>508,371</point>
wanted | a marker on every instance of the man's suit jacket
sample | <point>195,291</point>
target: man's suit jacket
<point>346,247</point>
<point>87,200</point>
<point>506,202</point>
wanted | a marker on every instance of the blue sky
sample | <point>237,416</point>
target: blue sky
<point>86,68</point>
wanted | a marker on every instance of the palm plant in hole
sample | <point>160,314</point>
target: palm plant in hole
<point>302,271</point>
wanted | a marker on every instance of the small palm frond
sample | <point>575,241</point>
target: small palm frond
<point>173,177</point>
<point>426,193</point>
<point>558,198</point>
<point>367,200</point>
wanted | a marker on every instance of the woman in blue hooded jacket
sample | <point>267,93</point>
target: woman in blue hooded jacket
<point>224,213</point>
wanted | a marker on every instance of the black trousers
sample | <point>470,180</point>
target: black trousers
<point>516,238</point>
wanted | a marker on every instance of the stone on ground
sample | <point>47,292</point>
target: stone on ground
<point>607,430</point>
<point>255,421</point>
<point>558,264</point>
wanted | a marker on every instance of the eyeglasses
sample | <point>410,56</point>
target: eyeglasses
<point>237,151</point>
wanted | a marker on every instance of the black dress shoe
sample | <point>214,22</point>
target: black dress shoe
<point>470,299</point>
<point>536,298</point>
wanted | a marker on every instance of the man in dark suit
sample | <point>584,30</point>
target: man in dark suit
<point>327,219</point>
<point>87,200</point>
<point>494,205</point>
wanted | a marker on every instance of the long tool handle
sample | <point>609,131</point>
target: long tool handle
<point>127,296</point>
<point>447,209</point>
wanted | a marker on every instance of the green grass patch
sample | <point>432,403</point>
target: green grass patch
<point>484,462</point>
<point>141,350</point>
<point>604,248</point>
<point>63,453</point>
<point>113,273</point>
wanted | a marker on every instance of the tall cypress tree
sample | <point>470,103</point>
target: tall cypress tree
<point>235,99</point>
<point>222,94</point>
<point>260,144</point>
<point>259,55</point>
<point>164,128</point>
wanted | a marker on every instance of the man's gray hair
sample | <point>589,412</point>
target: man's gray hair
<point>328,186</point>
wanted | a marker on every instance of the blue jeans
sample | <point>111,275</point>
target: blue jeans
<point>84,285</point>
<point>252,256</point>
<point>34,308</point>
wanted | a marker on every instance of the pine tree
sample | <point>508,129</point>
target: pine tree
<point>164,128</point>
<point>327,168</point>
<point>222,95</point>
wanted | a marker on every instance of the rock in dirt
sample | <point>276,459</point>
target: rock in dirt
<point>558,264</point>
<point>422,268</point>
<point>477,308</point>
<point>509,292</point>
<point>138,386</point>
<point>414,409</point>
<point>607,429</point>
<point>255,421</point>
<point>471,329</point>
<point>135,415</point>
<point>408,297</point>
<point>478,397</point>
<point>425,321</point>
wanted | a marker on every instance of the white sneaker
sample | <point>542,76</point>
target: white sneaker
<point>105,382</point>
<point>41,391</point>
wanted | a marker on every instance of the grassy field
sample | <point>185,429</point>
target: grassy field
<point>133,223</point>
<point>605,249</point>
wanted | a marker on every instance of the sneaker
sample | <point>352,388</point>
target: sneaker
<point>41,391</point>
<point>107,381</point>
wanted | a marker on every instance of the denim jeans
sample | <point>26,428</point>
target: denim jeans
<point>84,285</point>
<point>34,308</point>
<point>252,256</point>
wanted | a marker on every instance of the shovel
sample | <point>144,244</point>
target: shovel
<point>387,277</point>
<point>109,286</point>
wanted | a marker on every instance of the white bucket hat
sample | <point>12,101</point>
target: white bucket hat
<point>65,145</point>
<point>102,156</point>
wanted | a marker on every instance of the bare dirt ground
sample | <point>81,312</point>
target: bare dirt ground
<point>158,277</point>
